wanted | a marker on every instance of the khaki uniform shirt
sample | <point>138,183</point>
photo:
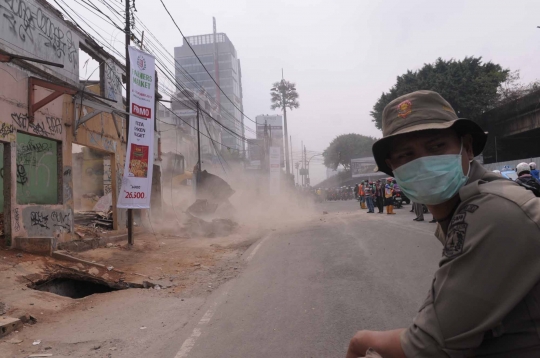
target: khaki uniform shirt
<point>485,296</point>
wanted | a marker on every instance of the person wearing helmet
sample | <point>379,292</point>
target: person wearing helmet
<point>483,300</point>
<point>525,178</point>
<point>534,172</point>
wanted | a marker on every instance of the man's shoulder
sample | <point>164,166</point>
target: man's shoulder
<point>489,210</point>
<point>497,192</point>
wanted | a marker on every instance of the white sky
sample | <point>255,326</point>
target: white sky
<point>343,54</point>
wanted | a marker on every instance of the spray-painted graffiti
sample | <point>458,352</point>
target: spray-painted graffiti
<point>107,176</point>
<point>38,219</point>
<point>36,170</point>
<point>7,132</point>
<point>37,127</point>
<point>17,218</point>
<point>45,222</point>
<point>31,23</point>
<point>68,191</point>
<point>113,83</point>
<point>105,143</point>
<point>22,178</point>
<point>55,125</point>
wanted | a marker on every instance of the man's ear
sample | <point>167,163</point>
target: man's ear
<point>389,163</point>
<point>468,146</point>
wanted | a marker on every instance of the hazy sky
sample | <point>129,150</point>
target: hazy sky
<point>343,54</point>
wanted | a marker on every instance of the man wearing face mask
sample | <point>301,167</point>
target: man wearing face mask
<point>484,299</point>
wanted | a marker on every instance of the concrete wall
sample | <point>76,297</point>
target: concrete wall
<point>33,160</point>
<point>99,134</point>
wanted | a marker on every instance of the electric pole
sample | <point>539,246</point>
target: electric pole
<point>199,163</point>
<point>292,160</point>
<point>283,89</point>
<point>131,239</point>
<point>302,169</point>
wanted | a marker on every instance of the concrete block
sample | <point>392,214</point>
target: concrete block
<point>8,325</point>
<point>34,245</point>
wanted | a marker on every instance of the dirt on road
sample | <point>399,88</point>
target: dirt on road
<point>162,267</point>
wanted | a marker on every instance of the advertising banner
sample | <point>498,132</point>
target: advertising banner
<point>275,170</point>
<point>137,179</point>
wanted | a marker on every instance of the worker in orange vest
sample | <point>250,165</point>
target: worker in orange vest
<point>362,196</point>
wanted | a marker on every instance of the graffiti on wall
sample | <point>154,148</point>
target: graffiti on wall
<point>43,221</point>
<point>36,170</point>
<point>102,142</point>
<point>51,127</point>
<point>113,82</point>
<point>7,132</point>
<point>107,176</point>
<point>30,27</point>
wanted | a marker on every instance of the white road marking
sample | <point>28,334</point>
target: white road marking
<point>189,343</point>
<point>248,259</point>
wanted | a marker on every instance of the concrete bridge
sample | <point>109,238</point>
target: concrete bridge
<point>514,130</point>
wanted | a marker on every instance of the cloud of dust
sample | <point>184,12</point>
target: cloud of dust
<point>251,204</point>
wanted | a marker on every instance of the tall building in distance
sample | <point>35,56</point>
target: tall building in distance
<point>190,72</point>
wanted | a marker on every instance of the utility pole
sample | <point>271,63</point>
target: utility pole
<point>292,160</point>
<point>199,163</point>
<point>302,169</point>
<point>283,89</point>
<point>305,157</point>
<point>131,239</point>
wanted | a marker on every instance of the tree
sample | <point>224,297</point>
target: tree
<point>346,147</point>
<point>283,95</point>
<point>512,89</point>
<point>470,86</point>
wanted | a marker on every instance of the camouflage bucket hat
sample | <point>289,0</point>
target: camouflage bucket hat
<point>418,111</point>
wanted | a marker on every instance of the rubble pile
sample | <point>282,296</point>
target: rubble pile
<point>92,223</point>
<point>202,228</point>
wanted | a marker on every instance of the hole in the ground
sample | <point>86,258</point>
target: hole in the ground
<point>74,288</point>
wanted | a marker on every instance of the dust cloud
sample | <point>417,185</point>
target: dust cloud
<point>251,206</point>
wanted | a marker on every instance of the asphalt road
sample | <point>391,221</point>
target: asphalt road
<point>308,288</point>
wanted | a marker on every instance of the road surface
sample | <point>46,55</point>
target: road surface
<point>302,290</point>
<point>307,289</point>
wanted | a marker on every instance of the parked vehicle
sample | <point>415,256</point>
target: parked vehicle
<point>397,200</point>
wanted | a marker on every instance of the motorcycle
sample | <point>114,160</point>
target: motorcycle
<point>397,200</point>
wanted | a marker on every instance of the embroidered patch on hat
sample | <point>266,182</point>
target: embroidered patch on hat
<point>448,109</point>
<point>404,109</point>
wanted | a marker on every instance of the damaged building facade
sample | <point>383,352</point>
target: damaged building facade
<point>62,141</point>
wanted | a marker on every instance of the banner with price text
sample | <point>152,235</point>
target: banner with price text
<point>137,179</point>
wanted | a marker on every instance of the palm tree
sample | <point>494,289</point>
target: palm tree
<point>283,95</point>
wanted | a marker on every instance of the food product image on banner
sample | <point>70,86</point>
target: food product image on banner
<point>138,161</point>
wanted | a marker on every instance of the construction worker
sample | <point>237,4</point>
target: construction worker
<point>362,195</point>
<point>483,300</point>
<point>389,197</point>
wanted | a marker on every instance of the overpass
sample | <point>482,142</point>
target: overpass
<point>514,130</point>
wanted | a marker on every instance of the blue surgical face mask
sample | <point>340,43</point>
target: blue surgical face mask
<point>432,180</point>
